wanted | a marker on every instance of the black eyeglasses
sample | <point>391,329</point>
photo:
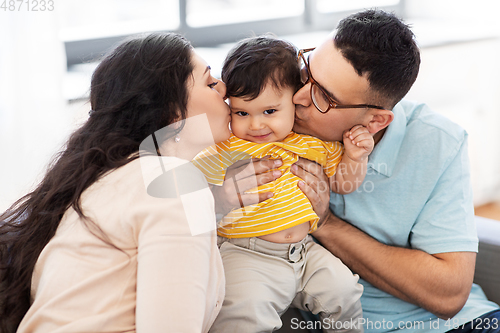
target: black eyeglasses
<point>320,98</point>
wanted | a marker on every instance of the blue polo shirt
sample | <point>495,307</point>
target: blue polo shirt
<point>416,195</point>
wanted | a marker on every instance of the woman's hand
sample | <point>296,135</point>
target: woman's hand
<point>243,176</point>
<point>315,186</point>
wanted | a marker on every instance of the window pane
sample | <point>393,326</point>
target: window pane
<point>201,13</point>
<point>86,19</point>
<point>328,6</point>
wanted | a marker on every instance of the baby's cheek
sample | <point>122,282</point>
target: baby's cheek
<point>236,127</point>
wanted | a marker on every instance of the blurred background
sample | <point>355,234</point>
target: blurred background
<point>48,53</point>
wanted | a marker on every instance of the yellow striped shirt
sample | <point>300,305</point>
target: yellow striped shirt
<point>289,206</point>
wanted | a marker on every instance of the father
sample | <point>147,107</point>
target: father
<point>409,231</point>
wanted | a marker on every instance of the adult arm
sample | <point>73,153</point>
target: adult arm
<point>439,283</point>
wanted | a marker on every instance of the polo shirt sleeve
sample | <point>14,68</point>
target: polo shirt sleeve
<point>446,222</point>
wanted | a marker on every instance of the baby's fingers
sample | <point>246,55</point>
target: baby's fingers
<point>357,131</point>
<point>366,143</point>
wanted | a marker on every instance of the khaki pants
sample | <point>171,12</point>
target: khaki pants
<point>263,279</point>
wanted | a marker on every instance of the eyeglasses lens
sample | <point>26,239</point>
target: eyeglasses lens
<point>318,97</point>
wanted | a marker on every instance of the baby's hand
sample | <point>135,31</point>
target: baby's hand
<point>358,143</point>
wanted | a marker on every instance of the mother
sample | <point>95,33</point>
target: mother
<point>89,249</point>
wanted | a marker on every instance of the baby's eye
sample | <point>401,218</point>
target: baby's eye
<point>213,84</point>
<point>241,113</point>
<point>270,111</point>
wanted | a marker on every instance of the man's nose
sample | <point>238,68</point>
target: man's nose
<point>302,96</point>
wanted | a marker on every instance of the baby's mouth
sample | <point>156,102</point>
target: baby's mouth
<point>260,137</point>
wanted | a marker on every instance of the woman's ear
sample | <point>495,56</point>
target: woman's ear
<point>380,120</point>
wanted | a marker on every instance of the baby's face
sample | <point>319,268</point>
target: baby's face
<point>267,118</point>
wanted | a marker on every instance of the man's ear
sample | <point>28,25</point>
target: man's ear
<point>380,120</point>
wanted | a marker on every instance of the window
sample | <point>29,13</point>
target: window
<point>329,6</point>
<point>91,19</point>
<point>90,27</point>
<point>208,13</point>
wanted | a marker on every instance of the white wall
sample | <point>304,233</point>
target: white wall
<point>460,78</point>
<point>33,120</point>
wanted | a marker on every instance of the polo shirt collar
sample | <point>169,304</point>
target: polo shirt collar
<point>384,155</point>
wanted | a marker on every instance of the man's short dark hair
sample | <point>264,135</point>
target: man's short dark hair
<point>256,61</point>
<point>380,45</point>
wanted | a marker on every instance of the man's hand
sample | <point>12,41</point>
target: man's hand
<point>243,176</point>
<point>315,186</point>
<point>358,143</point>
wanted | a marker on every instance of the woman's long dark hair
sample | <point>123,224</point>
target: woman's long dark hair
<point>137,89</point>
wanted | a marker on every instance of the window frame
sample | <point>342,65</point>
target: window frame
<point>88,50</point>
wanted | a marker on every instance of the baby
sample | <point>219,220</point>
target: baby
<point>270,261</point>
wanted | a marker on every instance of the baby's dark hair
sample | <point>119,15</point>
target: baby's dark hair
<point>380,45</point>
<point>256,61</point>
